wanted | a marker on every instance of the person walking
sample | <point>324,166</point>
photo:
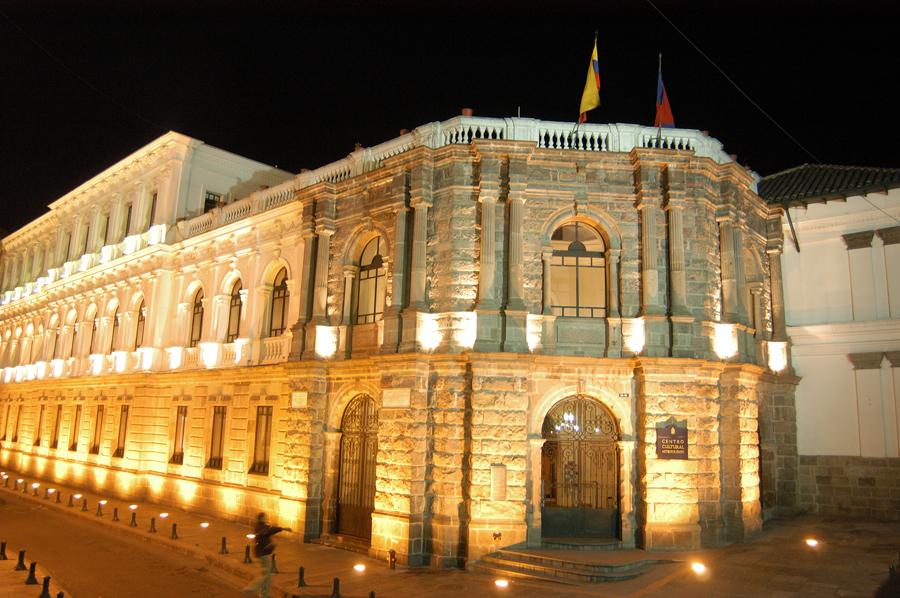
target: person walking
<point>264,550</point>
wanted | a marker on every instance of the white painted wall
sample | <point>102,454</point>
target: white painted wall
<point>840,302</point>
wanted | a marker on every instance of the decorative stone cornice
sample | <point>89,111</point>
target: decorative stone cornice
<point>858,240</point>
<point>866,361</point>
<point>889,236</point>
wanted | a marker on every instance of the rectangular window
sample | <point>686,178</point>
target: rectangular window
<point>127,227</point>
<point>211,200</point>
<point>98,431</point>
<point>217,440</point>
<point>75,429</point>
<point>153,200</point>
<point>262,440</point>
<point>54,443</point>
<point>15,437</point>
<point>123,430</point>
<point>5,422</point>
<point>105,229</point>
<point>178,447</point>
<point>85,233</point>
<point>40,424</point>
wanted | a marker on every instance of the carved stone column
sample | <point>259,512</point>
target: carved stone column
<point>613,313</point>
<point>677,277</point>
<point>392,321</point>
<point>304,280</point>
<point>516,222</point>
<point>726,254</point>
<point>320,294</point>
<point>739,282</point>
<point>417,301</point>
<point>350,272</point>
<point>779,333</point>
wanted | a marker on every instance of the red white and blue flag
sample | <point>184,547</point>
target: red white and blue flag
<point>664,116</point>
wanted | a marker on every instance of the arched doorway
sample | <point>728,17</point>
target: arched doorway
<point>580,470</point>
<point>356,479</point>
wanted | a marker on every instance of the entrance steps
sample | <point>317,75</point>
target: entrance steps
<point>360,545</point>
<point>553,566</point>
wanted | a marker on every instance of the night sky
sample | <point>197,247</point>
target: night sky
<point>82,84</point>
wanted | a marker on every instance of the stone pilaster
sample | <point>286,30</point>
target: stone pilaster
<point>392,319</point>
<point>319,317</point>
<point>417,302</point>
<point>779,331</point>
<point>727,257</point>
<point>304,278</point>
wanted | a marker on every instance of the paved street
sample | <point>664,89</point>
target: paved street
<point>92,556</point>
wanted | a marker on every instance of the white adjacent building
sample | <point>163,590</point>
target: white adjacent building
<point>842,304</point>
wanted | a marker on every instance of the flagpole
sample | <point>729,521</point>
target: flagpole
<point>575,126</point>
<point>659,129</point>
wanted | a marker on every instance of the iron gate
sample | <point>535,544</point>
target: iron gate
<point>356,480</point>
<point>580,470</point>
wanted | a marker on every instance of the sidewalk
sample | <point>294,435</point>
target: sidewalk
<point>12,582</point>
<point>851,559</point>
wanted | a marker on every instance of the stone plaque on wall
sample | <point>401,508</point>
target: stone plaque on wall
<point>395,398</point>
<point>671,439</point>
<point>298,399</point>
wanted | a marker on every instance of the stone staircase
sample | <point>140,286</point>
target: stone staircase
<point>544,565</point>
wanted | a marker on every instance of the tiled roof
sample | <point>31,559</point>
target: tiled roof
<point>813,183</point>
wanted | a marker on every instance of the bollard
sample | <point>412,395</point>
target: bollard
<point>32,578</point>
<point>58,497</point>
<point>301,578</point>
<point>45,591</point>
<point>115,513</point>
<point>372,594</point>
<point>247,554</point>
<point>84,505</point>
<point>35,494</point>
<point>3,556</point>
<point>392,558</point>
<point>274,565</point>
<point>20,566</point>
<point>174,535</point>
<point>133,520</point>
<point>153,525</point>
<point>71,503</point>
<point>25,487</point>
<point>99,512</point>
<point>61,595</point>
<point>46,493</point>
<point>336,588</point>
<point>224,549</point>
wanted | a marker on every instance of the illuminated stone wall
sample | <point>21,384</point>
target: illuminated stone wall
<point>465,360</point>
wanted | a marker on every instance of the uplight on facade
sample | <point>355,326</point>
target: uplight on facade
<point>633,333</point>
<point>777,356</point>
<point>725,340</point>
<point>326,341</point>
<point>466,329</point>
<point>209,354</point>
<point>427,332</point>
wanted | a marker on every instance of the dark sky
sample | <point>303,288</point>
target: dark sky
<point>82,84</point>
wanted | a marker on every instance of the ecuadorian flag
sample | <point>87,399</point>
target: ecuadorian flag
<point>664,116</point>
<point>590,99</point>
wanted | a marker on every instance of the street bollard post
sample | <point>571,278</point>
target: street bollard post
<point>34,487</point>
<point>84,505</point>
<point>153,525</point>
<point>336,588</point>
<point>46,493</point>
<point>58,497</point>
<point>20,566</point>
<point>61,595</point>
<point>372,594</point>
<point>32,578</point>
<point>45,591</point>
<point>115,513</point>
<point>3,556</point>
<point>133,520</point>
<point>71,502</point>
<point>224,549</point>
<point>174,535</point>
<point>301,578</point>
<point>99,512</point>
<point>247,554</point>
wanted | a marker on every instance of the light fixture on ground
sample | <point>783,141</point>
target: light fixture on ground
<point>811,542</point>
<point>501,583</point>
<point>698,567</point>
<point>35,486</point>
<point>77,497</point>
<point>359,567</point>
<point>163,515</point>
<point>251,536</point>
<point>132,507</point>
<point>204,525</point>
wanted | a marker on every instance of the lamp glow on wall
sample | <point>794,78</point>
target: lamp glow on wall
<point>777,355</point>
<point>175,357</point>
<point>725,340</point>
<point>209,354</point>
<point>466,329</point>
<point>427,333</point>
<point>56,367</point>
<point>145,358</point>
<point>40,370</point>
<point>634,335</point>
<point>326,341</point>
<point>97,362</point>
<point>533,329</point>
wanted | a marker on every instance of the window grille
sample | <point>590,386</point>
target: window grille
<point>262,440</point>
<point>578,272</point>
<point>178,447</point>
<point>217,440</point>
<point>279,304</point>
<point>234,314</point>
<point>123,430</point>
<point>370,284</point>
<point>98,431</point>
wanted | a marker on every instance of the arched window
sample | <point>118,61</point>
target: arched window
<point>578,272</point>
<point>197,319</point>
<point>115,331</point>
<point>370,290</point>
<point>234,313</point>
<point>139,329</point>
<point>92,343</point>
<point>278,309</point>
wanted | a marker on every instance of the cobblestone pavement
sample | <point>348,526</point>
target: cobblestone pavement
<point>851,559</point>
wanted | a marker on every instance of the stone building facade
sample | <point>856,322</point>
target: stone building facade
<point>464,338</point>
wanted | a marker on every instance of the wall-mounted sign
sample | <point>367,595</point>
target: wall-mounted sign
<point>671,439</point>
<point>299,399</point>
<point>395,398</point>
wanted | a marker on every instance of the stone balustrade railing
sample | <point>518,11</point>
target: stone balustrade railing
<point>465,130</point>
